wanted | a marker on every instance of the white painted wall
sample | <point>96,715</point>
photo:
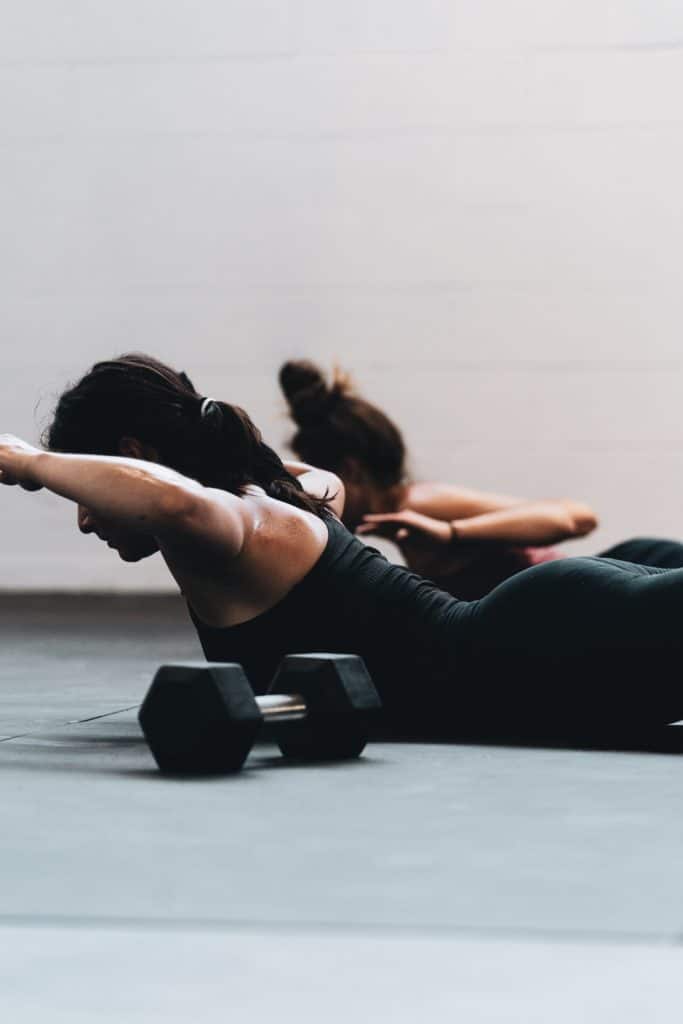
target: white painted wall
<point>474,204</point>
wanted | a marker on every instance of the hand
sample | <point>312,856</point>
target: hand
<point>17,463</point>
<point>405,526</point>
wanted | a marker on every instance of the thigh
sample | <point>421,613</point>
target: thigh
<point>656,551</point>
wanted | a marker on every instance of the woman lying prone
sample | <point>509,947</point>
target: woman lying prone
<point>466,540</point>
<point>267,568</point>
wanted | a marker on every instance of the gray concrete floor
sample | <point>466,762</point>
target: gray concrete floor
<point>425,880</point>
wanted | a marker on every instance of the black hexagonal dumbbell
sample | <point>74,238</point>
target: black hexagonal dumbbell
<point>203,717</point>
<point>339,699</point>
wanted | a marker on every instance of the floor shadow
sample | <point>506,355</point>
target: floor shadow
<point>666,740</point>
<point>69,754</point>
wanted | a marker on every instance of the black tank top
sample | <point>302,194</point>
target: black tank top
<point>411,635</point>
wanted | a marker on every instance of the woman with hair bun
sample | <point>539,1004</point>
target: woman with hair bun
<point>466,541</point>
<point>267,569</point>
<point>337,427</point>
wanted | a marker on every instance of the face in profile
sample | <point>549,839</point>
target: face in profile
<point>131,545</point>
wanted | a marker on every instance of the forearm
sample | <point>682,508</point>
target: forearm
<point>128,490</point>
<point>320,483</point>
<point>308,475</point>
<point>541,523</point>
<point>298,468</point>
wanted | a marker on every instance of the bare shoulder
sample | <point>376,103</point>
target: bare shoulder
<point>207,518</point>
<point>252,533</point>
<point>451,501</point>
<point>281,543</point>
<point>247,553</point>
<point>268,519</point>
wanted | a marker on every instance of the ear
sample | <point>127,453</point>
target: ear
<point>131,448</point>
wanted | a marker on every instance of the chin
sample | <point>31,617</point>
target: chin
<point>131,555</point>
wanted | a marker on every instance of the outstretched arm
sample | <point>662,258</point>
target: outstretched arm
<point>142,495</point>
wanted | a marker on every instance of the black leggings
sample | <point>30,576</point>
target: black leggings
<point>581,644</point>
<point>656,551</point>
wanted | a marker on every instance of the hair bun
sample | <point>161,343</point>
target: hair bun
<point>307,392</point>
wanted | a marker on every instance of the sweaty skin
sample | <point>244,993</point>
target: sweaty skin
<point>583,643</point>
<point>233,556</point>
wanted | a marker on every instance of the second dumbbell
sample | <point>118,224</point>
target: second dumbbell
<point>204,717</point>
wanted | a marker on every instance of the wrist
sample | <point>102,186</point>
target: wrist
<point>32,464</point>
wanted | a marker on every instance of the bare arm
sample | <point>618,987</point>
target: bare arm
<point>142,495</point>
<point>538,523</point>
<point>319,483</point>
<point>446,501</point>
<point>481,516</point>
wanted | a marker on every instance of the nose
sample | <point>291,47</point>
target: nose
<point>86,523</point>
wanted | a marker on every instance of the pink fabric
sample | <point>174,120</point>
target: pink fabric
<point>494,565</point>
<point>536,556</point>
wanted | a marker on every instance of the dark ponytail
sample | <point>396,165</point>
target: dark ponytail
<point>139,397</point>
<point>334,425</point>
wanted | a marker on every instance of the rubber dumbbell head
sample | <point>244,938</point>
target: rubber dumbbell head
<point>200,717</point>
<point>341,701</point>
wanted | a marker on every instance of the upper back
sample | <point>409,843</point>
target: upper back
<point>281,543</point>
<point>351,601</point>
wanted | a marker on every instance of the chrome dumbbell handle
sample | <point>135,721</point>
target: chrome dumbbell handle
<point>282,707</point>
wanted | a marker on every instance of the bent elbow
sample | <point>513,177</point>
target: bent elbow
<point>583,518</point>
<point>583,525</point>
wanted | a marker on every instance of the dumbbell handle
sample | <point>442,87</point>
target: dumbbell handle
<point>282,707</point>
